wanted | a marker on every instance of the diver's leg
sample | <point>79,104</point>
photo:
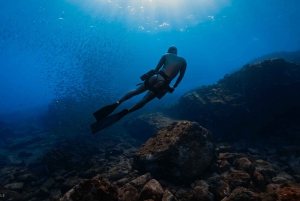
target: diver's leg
<point>132,93</point>
<point>148,97</point>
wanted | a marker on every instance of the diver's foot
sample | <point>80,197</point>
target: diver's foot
<point>105,111</point>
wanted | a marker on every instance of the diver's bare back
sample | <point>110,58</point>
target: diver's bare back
<point>172,65</point>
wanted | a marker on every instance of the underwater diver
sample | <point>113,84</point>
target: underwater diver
<point>156,81</point>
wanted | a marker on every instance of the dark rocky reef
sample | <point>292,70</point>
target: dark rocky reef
<point>287,56</point>
<point>260,99</point>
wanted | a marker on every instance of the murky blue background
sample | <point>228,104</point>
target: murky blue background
<point>98,49</point>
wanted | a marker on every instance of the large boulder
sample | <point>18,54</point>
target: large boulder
<point>180,152</point>
<point>259,98</point>
<point>143,126</point>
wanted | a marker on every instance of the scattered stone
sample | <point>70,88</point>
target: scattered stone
<point>139,182</point>
<point>152,190</point>
<point>224,166</point>
<point>201,192</point>
<point>242,194</point>
<point>122,182</point>
<point>128,193</point>
<point>289,191</point>
<point>218,187</point>
<point>265,169</point>
<point>92,189</point>
<point>168,196</point>
<point>282,177</point>
<point>259,181</point>
<point>244,164</point>
<point>230,157</point>
<point>236,178</point>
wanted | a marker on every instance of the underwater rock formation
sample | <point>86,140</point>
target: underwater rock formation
<point>93,189</point>
<point>260,98</point>
<point>180,152</point>
<point>144,126</point>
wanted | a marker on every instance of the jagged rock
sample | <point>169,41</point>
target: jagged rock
<point>259,181</point>
<point>236,178</point>
<point>243,194</point>
<point>139,182</point>
<point>168,196</point>
<point>287,191</point>
<point>259,98</point>
<point>244,164</point>
<point>201,192</point>
<point>265,169</point>
<point>92,189</point>
<point>180,152</point>
<point>128,193</point>
<point>224,166</point>
<point>230,157</point>
<point>144,126</point>
<point>282,177</point>
<point>218,187</point>
<point>152,190</point>
<point>122,182</point>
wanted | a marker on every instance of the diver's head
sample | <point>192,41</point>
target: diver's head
<point>172,49</point>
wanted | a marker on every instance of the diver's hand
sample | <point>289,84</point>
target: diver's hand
<point>171,90</point>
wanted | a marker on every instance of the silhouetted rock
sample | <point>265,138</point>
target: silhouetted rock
<point>144,126</point>
<point>180,152</point>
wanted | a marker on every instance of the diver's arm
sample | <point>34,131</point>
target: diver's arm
<point>182,71</point>
<point>160,63</point>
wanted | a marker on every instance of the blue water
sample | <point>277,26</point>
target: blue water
<point>99,49</point>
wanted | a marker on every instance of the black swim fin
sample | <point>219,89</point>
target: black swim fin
<point>108,121</point>
<point>105,111</point>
